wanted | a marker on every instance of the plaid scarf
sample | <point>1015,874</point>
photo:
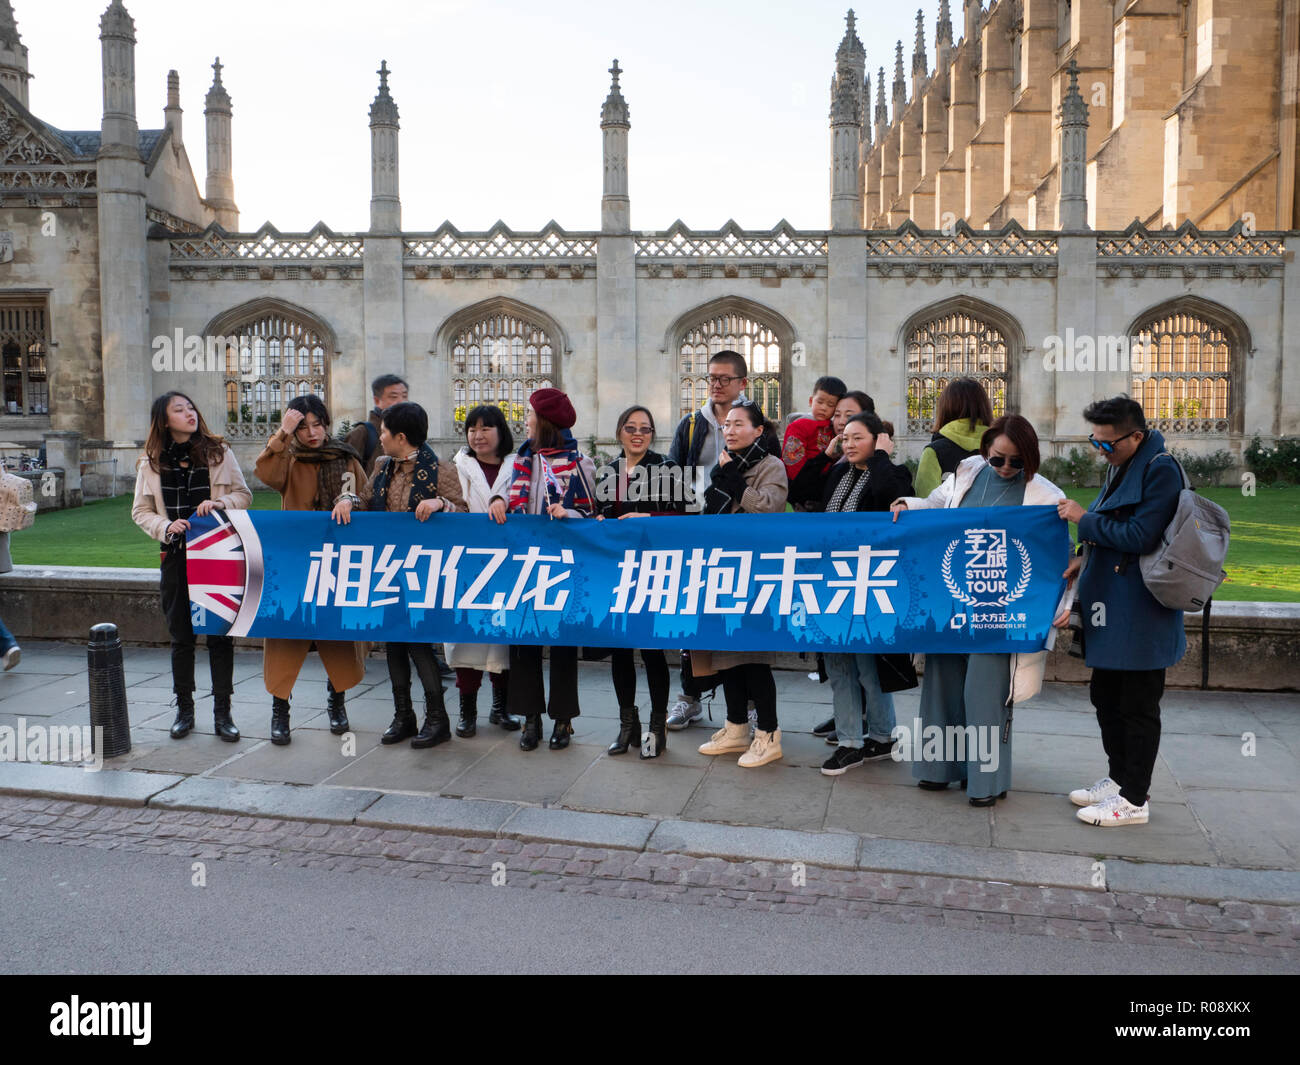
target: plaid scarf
<point>185,483</point>
<point>727,483</point>
<point>332,460</point>
<point>847,492</point>
<point>424,482</point>
<point>569,485</point>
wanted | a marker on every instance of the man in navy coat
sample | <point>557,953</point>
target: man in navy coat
<point>1129,639</point>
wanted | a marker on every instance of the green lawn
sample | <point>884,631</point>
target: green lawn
<point>98,534</point>
<point>1263,561</point>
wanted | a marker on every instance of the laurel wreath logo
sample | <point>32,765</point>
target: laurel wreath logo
<point>1005,600</point>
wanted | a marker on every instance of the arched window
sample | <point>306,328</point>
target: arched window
<point>272,354</point>
<point>500,351</point>
<point>1185,358</point>
<point>731,324</point>
<point>958,341</point>
<point>23,345</point>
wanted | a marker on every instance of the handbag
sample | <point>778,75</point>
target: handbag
<point>896,672</point>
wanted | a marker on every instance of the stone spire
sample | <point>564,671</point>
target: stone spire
<point>14,75</point>
<point>615,204</point>
<point>866,110</point>
<point>851,65</point>
<point>974,12</point>
<point>117,53</point>
<point>220,187</point>
<point>943,27</point>
<point>846,134</point>
<point>385,202</point>
<point>172,112</point>
<point>1073,203</point>
<point>900,85</point>
<point>920,65</point>
<point>882,109</point>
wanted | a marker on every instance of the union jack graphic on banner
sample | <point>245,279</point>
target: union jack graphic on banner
<point>217,570</point>
<point>554,489</point>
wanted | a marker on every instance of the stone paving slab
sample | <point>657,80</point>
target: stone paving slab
<point>331,805</point>
<point>461,817</point>
<point>1199,882</point>
<point>570,826</point>
<point>830,850</point>
<point>945,859</point>
<point>71,782</point>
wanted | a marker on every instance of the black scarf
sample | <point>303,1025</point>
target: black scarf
<point>424,482</point>
<point>185,483</point>
<point>727,483</point>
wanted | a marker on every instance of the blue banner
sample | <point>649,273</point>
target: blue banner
<point>981,579</point>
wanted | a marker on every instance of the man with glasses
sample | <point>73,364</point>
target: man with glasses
<point>697,443</point>
<point>1129,639</point>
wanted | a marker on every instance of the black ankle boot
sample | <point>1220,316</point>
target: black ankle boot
<point>279,721</point>
<point>532,734</point>
<point>657,742</point>
<point>467,725</point>
<point>403,726</point>
<point>221,720</point>
<point>499,715</point>
<point>437,725</point>
<point>561,734</point>
<point>184,722</point>
<point>629,730</point>
<point>337,711</point>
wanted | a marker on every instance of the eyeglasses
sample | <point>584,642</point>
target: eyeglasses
<point>722,379</point>
<point>998,461</point>
<point>743,402</point>
<point>1109,445</point>
<point>638,430</point>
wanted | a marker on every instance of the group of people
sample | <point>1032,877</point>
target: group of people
<point>725,458</point>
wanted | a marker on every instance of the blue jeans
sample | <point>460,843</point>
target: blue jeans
<point>6,639</point>
<point>854,681</point>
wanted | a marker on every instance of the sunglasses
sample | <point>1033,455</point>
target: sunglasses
<point>998,461</point>
<point>638,430</point>
<point>1109,445</point>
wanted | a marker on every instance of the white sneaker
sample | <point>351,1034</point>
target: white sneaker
<point>1103,789</point>
<point>12,657</point>
<point>683,712</point>
<point>727,739</point>
<point>1116,810</point>
<point>765,748</point>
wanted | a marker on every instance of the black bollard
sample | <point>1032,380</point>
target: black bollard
<point>107,691</point>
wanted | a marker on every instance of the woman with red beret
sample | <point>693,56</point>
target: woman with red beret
<point>551,476</point>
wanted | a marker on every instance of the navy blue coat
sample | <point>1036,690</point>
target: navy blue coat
<point>1139,633</point>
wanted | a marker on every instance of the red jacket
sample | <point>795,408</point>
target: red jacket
<point>804,437</point>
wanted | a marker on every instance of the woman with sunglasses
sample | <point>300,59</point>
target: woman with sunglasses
<point>961,690</point>
<point>639,483</point>
<point>749,478</point>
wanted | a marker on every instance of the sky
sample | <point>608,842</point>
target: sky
<point>499,101</point>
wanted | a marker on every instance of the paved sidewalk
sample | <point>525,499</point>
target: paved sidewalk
<point>1225,817</point>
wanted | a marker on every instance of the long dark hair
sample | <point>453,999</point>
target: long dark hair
<point>963,398</point>
<point>206,447</point>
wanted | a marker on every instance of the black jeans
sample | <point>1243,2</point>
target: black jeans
<point>754,681</point>
<point>1128,711</point>
<point>623,667</point>
<point>527,695</point>
<point>692,687</point>
<point>175,591</point>
<point>400,657</point>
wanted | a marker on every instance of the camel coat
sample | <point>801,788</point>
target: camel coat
<point>344,660</point>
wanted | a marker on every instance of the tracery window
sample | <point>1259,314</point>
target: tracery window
<point>501,358</point>
<point>732,331</point>
<point>270,360</point>
<point>955,344</point>
<point>24,345</point>
<point>1182,372</point>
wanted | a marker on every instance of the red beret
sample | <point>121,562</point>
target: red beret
<point>554,406</point>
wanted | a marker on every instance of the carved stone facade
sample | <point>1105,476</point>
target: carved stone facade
<point>144,283</point>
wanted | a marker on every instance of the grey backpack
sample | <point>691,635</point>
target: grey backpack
<point>1187,565</point>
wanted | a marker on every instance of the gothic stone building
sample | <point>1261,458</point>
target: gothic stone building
<point>1079,198</point>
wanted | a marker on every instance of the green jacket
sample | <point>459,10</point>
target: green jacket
<point>929,472</point>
